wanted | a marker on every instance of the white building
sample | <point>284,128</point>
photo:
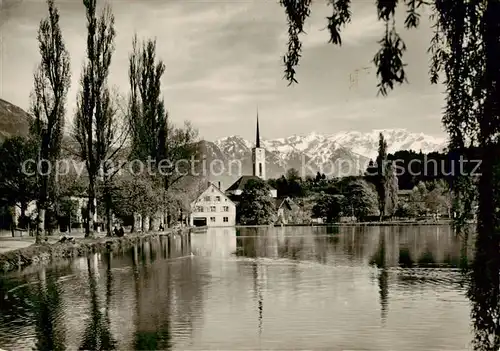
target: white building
<point>212,208</point>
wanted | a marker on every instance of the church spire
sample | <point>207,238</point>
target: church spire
<point>257,137</point>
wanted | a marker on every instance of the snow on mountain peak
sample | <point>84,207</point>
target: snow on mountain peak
<point>321,146</point>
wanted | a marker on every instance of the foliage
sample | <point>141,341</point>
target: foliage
<point>404,209</point>
<point>383,175</point>
<point>290,185</point>
<point>392,191</point>
<point>135,194</point>
<point>361,199</point>
<point>17,185</point>
<point>433,197</point>
<point>147,114</point>
<point>256,206</point>
<point>388,60</point>
<point>68,207</point>
<point>154,137</point>
<point>438,200</point>
<point>418,200</point>
<point>329,207</point>
<point>94,116</point>
<point>48,100</point>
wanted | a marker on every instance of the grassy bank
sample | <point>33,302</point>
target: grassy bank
<point>44,253</point>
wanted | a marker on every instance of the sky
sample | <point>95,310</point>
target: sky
<point>224,61</point>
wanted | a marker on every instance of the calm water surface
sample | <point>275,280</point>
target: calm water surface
<point>371,288</point>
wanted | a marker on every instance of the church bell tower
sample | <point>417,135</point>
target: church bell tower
<point>259,156</point>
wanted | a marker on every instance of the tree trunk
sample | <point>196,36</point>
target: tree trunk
<point>13,223</point>
<point>89,229</point>
<point>134,224</point>
<point>155,222</point>
<point>40,225</point>
<point>145,223</point>
<point>108,220</point>
<point>69,223</point>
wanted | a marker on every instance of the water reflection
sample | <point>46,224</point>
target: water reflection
<point>97,334</point>
<point>50,333</point>
<point>373,288</point>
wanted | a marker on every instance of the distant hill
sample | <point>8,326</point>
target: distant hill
<point>14,121</point>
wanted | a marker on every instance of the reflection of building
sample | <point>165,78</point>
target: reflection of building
<point>213,208</point>
<point>215,242</point>
<point>259,170</point>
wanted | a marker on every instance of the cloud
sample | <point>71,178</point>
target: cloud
<point>224,57</point>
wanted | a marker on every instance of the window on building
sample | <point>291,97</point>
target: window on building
<point>225,219</point>
<point>199,208</point>
<point>212,219</point>
<point>260,169</point>
<point>213,209</point>
<point>226,208</point>
<point>207,198</point>
<point>217,198</point>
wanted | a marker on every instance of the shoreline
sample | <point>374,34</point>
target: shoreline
<point>348,224</point>
<point>21,258</point>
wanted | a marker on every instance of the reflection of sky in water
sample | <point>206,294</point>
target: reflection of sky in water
<point>284,288</point>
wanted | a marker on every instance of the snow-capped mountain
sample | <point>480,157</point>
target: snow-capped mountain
<point>314,152</point>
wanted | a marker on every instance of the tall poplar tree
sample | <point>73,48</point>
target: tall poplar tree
<point>154,137</point>
<point>94,108</point>
<point>48,107</point>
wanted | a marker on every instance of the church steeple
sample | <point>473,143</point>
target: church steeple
<point>258,155</point>
<point>257,137</point>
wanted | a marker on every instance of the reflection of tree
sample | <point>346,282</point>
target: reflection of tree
<point>97,334</point>
<point>427,259</point>
<point>152,302</point>
<point>144,339</point>
<point>484,293</point>
<point>379,260</point>
<point>405,259</point>
<point>246,242</point>
<point>258,294</point>
<point>50,334</point>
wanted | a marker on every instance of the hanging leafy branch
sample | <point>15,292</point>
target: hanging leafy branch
<point>388,60</point>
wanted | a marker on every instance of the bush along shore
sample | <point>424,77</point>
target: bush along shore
<point>45,253</point>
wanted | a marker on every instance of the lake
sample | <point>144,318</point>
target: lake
<point>315,288</point>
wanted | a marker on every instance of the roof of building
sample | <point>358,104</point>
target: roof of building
<point>241,182</point>
<point>285,201</point>
<point>205,189</point>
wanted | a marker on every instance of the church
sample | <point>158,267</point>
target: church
<point>214,208</point>
<point>258,167</point>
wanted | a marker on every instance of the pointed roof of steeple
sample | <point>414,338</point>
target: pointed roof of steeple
<point>257,137</point>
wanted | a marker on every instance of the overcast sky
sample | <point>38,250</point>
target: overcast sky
<point>224,58</point>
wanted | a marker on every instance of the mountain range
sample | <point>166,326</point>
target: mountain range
<point>342,153</point>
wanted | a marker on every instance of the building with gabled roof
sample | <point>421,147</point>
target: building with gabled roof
<point>286,210</point>
<point>212,208</point>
